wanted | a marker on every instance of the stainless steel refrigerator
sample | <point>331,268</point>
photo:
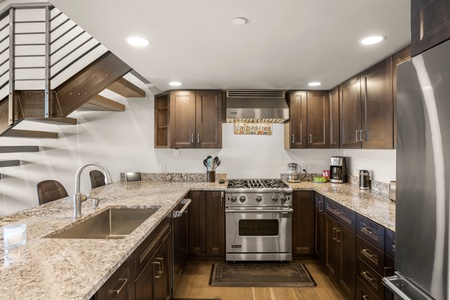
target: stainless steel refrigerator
<point>423,177</point>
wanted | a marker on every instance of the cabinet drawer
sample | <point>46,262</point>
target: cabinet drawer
<point>363,292</point>
<point>371,231</point>
<point>341,213</point>
<point>370,254</point>
<point>389,267</point>
<point>370,278</point>
<point>148,247</point>
<point>390,243</point>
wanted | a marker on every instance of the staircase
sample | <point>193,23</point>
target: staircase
<point>50,67</point>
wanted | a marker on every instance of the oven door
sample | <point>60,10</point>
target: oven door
<point>256,233</point>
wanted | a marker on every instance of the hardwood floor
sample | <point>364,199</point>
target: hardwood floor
<point>195,284</point>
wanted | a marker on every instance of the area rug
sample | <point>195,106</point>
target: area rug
<point>260,275</point>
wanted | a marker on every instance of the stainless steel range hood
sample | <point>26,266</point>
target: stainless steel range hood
<point>264,106</point>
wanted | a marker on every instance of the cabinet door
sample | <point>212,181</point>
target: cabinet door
<point>346,239</point>
<point>350,116</point>
<point>215,224</point>
<point>208,119</point>
<point>430,24</point>
<point>334,118</point>
<point>378,112</point>
<point>397,58</point>
<point>331,250</point>
<point>303,222</point>
<point>182,119</point>
<point>296,129</point>
<point>318,119</point>
<point>161,271</point>
<point>197,223</point>
<point>319,234</point>
<point>120,286</point>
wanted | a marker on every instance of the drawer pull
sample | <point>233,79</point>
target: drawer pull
<point>372,257</point>
<point>124,283</point>
<point>369,277</point>
<point>365,297</point>
<point>368,230</point>
<point>320,206</point>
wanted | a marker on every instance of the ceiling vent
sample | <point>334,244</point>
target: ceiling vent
<point>258,106</point>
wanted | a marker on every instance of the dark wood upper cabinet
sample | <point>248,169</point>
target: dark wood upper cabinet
<point>308,125</point>
<point>430,24</point>
<point>318,119</point>
<point>188,119</point>
<point>367,109</point>
<point>295,131</point>
<point>334,118</point>
<point>377,109</point>
<point>350,113</point>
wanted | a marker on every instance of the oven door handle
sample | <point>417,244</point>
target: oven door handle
<point>259,210</point>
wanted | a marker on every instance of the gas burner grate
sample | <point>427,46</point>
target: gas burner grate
<point>257,184</point>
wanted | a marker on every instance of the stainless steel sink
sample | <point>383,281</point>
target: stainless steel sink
<point>114,223</point>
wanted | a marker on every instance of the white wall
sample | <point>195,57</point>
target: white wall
<point>123,141</point>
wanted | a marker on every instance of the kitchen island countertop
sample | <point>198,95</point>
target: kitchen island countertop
<point>47,268</point>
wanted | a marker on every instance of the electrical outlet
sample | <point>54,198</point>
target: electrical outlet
<point>162,168</point>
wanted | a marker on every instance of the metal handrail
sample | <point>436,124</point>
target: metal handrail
<point>52,24</point>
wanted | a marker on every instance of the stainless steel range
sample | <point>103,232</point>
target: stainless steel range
<point>258,220</point>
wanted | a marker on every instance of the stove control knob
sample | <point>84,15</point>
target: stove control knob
<point>233,198</point>
<point>283,198</point>
<point>258,198</point>
<point>242,199</point>
<point>274,198</point>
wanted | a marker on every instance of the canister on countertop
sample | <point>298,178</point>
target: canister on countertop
<point>392,189</point>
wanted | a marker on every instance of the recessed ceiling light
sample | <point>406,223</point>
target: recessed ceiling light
<point>315,83</point>
<point>371,40</point>
<point>239,21</point>
<point>137,41</point>
<point>174,83</point>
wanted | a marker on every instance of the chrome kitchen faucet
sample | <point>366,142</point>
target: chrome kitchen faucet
<point>78,197</point>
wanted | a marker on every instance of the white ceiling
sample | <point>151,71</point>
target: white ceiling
<point>284,45</point>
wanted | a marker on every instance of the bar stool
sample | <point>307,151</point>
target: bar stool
<point>50,190</point>
<point>97,178</point>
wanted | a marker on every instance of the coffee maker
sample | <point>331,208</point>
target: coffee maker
<point>338,169</point>
<point>293,175</point>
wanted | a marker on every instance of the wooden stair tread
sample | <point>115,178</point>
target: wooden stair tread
<point>9,163</point>
<point>126,89</point>
<point>16,149</point>
<point>19,133</point>
<point>57,121</point>
<point>100,103</point>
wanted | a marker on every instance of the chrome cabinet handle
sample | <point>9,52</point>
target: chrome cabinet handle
<point>361,139</point>
<point>158,264</point>
<point>370,278</point>
<point>198,138</point>
<point>320,206</point>
<point>372,257</point>
<point>124,283</point>
<point>365,297</point>
<point>338,239</point>
<point>368,230</point>
<point>161,265</point>
<point>356,135</point>
<point>192,138</point>
<point>310,138</point>
<point>334,233</point>
<point>179,213</point>
<point>293,139</point>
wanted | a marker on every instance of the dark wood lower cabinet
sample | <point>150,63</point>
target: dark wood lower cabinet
<point>120,286</point>
<point>303,222</point>
<point>207,225</point>
<point>318,227</point>
<point>340,257</point>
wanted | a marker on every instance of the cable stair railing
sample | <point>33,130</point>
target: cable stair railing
<point>44,57</point>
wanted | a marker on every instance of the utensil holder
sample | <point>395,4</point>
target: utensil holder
<point>210,176</point>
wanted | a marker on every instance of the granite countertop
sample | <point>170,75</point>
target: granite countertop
<point>46,268</point>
